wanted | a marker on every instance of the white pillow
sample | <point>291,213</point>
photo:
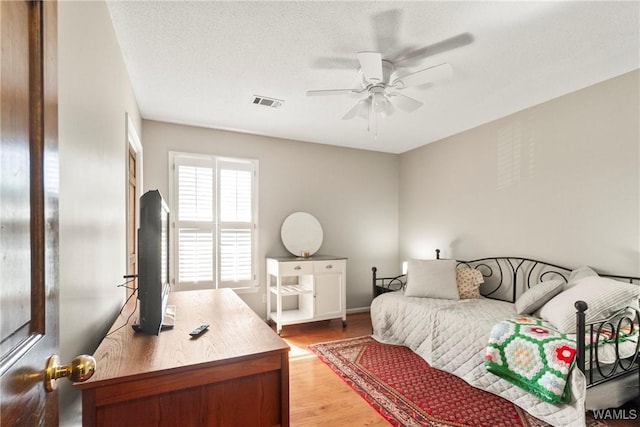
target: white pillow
<point>603,296</point>
<point>432,278</point>
<point>536,296</point>
<point>579,273</point>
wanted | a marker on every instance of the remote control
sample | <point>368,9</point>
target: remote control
<point>199,330</point>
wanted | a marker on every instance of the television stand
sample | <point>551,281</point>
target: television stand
<point>237,374</point>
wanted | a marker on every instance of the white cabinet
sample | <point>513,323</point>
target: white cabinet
<point>306,289</point>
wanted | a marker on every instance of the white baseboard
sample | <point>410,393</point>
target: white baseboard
<point>357,310</point>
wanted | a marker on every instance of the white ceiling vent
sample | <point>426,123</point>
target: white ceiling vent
<point>267,102</point>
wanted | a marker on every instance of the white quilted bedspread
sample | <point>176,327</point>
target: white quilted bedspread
<point>452,335</point>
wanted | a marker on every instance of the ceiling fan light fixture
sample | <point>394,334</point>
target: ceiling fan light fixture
<point>363,108</point>
<point>389,109</point>
<point>379,102</point>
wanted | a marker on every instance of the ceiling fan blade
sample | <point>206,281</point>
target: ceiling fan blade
<point>326,62</point>
<point>428,75</point>
<point>360,109</point>
<point>333,92</point>
<point>387,27</point>
<point>405,103</point>
<point>408,56</point>
<point>371,65</point>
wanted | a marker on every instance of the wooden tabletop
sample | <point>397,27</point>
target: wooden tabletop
<point>235,332</point>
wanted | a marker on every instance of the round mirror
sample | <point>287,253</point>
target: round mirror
<point>301,234</point>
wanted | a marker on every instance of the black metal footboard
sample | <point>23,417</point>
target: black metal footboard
<point>617,330</point>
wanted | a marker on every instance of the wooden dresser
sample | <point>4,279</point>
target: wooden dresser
<point>235,374</point>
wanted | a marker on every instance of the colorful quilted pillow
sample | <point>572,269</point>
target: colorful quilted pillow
<point>469,281</point>
<point>532,355</point>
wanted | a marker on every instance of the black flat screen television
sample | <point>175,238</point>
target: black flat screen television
<point>153,262</point>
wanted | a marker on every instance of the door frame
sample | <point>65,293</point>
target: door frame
<point>132,143</point>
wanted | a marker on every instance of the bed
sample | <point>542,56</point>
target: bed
<point>452,334</point>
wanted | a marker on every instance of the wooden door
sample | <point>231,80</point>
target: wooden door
<point>28,210</point>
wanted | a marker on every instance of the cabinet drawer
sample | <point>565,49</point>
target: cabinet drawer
<point>295,268</point>
<point>332,266</point>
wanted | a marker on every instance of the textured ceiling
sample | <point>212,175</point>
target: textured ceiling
<point>200,63</point>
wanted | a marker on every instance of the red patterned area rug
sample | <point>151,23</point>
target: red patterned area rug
<point>405,390</point>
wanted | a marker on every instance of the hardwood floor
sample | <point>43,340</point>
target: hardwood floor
<point>318,397</point>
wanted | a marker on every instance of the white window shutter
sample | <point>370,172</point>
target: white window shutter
<point>215,227</point>
<point>236,195</point>
<point>195,193</point>
<point>235,255</point>
<point>195,255</point>
<point>236,225</point>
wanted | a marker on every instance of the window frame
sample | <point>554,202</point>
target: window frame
<point>216,163</point>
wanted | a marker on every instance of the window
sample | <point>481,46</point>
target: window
<point>214,206</point>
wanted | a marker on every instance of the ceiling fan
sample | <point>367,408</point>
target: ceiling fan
<point>381,87</point>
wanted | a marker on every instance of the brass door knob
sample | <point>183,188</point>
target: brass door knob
<point>79,370</point>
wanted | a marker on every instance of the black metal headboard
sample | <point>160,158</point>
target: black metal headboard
<point>505,278</point>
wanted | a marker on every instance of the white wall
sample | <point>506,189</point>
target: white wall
<point>558,182</point>
<point>352,193</point>
<point>94,94</point>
